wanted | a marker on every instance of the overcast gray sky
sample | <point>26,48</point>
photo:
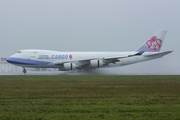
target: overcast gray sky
<point>92,25</point>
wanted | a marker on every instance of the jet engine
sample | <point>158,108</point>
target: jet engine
<point>69,66</point>
<point>96,63</point>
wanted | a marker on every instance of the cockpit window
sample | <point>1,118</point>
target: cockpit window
<point>19,52</point>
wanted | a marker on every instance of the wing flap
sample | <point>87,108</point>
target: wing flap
<point>115,57</point>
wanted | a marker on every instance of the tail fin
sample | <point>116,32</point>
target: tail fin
<point>154,44</point>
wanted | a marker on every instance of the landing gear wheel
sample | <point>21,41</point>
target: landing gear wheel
<point>24,70</point>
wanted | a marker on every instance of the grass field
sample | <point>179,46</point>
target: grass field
<point>89,97</point>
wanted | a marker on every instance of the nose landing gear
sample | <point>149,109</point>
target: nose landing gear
<point>24,70</point>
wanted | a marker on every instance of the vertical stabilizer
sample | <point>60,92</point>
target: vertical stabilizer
<point>154,44</point>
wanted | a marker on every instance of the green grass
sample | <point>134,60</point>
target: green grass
<point>89,97</point>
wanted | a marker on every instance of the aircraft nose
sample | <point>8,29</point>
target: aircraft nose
<point>9,60</point>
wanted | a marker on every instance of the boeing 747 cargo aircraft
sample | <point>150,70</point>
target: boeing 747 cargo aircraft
<point>79,60</point>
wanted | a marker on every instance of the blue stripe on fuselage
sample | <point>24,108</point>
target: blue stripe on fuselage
<point>22,61</point>
<point>29,63</point>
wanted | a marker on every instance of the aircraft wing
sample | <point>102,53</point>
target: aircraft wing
<point>105,59</point>
<point>119,57</point>
<point>116,58</point>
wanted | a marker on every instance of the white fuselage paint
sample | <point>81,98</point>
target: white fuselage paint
<point>76,57</point>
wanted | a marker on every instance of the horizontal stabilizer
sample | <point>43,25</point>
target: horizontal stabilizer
<point>160,54</point>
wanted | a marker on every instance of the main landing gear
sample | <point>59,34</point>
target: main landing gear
<point>24,70</point>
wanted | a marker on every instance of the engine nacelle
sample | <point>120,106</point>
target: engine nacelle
<point>96,63</point>
<point>69,66</point>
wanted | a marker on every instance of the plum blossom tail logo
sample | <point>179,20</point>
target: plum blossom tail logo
<point>70,56</point>
<point>154,43</point>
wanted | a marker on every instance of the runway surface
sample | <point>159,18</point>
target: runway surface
<point>80,73</point>
<point>39,73</point>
